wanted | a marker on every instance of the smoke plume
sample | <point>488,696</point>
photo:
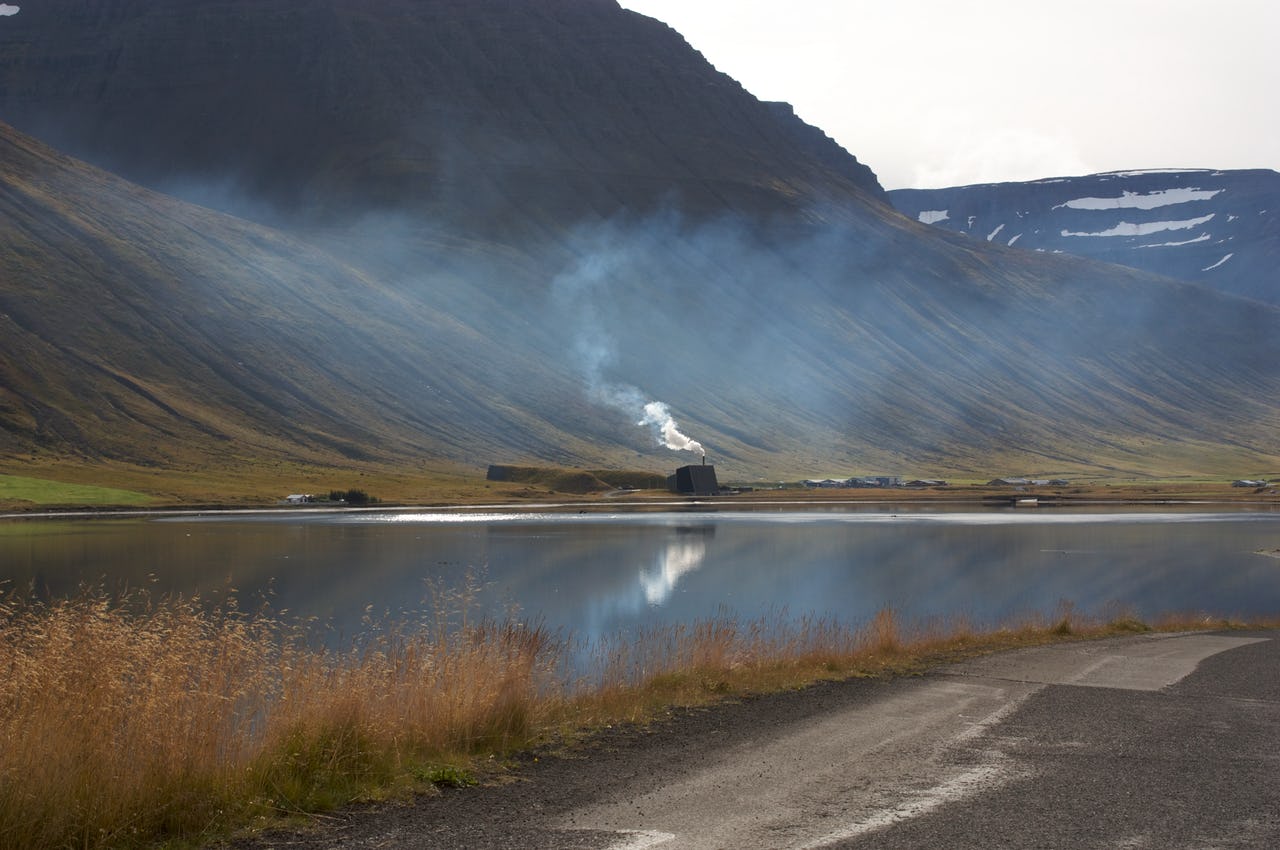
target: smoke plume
<point>658,417</point>
<point>654,415</point>
<point>584,292</point>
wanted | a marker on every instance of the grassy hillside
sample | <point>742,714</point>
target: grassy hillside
<point>141,329</point>
<point>144,331</point>
<point>508,236</point>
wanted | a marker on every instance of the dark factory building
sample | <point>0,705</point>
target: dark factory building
<point>695,480</point>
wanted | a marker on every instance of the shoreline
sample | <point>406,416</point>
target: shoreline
<point>710,504</point>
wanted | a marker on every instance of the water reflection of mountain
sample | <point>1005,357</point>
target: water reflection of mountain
<point>594,577</point>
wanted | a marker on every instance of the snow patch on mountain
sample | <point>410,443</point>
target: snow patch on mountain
<point>1203,237</point>
<point>1148,171</point>
<point>1220,262</point>
<point>7,11</point>
<point>933,216</point>
<point>993,234</point>
<point>1126,228</point>
<point>1144,201</point>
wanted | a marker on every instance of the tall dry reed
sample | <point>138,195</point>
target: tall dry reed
<point>635,674</point>
<point>126,722</point>
<point>123,722</point>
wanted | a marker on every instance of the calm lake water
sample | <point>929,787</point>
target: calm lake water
<point>604,573</point>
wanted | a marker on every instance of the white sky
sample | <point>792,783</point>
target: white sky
<point>933,93</point>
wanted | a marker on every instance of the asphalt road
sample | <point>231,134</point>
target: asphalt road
<point>1163,742</point>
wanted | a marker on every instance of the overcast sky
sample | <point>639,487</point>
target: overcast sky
<point>933,93</point>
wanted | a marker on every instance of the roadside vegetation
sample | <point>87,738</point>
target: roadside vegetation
<point>134,722</point>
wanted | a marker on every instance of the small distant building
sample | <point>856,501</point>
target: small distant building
<point>1249,482</point>
<point>694,480</point>
<point>299,499</point>
<point>826,483</point>
<point>854,483</point>
<point>925,482</point>
<point>1028,482</point>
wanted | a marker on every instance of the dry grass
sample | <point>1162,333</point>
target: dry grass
<point>127,723</point>
<point>123,723</point>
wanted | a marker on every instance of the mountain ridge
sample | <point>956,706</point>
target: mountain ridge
<point>789,319</point>
<point>515,101</point>
<point>1213,227</point>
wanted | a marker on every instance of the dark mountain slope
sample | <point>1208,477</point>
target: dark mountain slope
<point>142,329</point>
<point>504,228</point>
<point>844,357</point>
<point>139,328</point>
<point>1218,228</point>
<point>494,114</point>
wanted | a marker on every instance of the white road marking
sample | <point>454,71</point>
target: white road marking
<point>869,767</point>
<point>995,718</point>
<point>984,777</point>
<point>637,840</point>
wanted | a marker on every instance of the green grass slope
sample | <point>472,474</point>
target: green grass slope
<point>24,491</point>
<point>141,329</point>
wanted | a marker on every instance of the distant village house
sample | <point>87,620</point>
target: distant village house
<point>854,483</point>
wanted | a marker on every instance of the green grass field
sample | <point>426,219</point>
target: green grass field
<point>16,489</point>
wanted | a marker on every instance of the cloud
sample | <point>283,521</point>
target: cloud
<point>1007,154</point>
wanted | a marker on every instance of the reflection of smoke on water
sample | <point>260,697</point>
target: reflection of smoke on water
<point>684,553</point>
